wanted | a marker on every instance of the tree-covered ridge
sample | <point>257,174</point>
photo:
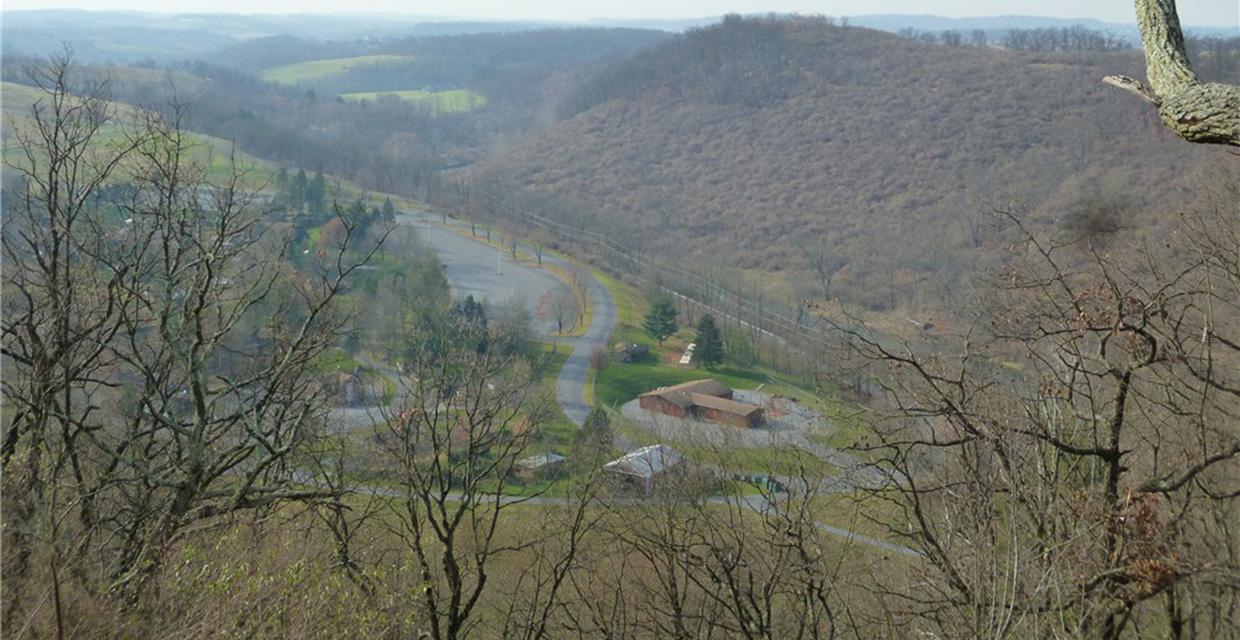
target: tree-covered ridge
<point>748,139</point>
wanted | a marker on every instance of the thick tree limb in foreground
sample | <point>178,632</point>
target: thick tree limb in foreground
<point>1196,111</point>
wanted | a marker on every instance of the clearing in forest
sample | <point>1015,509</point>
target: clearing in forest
<point>317,69</point>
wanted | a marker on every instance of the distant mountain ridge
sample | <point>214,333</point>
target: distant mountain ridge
<point>997,25</point>
<point>126,36</point>
<point>121,36</point>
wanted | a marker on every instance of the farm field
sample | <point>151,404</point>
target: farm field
<point>316,69</point>
<point>214,154</point>
<point>450,101</point>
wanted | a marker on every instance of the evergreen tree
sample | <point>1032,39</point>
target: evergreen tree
<point>472,324</point>
<point>316,194</point>
<point>282,185</point>
<point>356,214</point>
<point>389,211</point>
<point>297,191</point>
<point>660,321</point>
<point>709,349</point>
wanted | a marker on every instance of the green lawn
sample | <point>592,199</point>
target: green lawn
<point>335,359</point>
<point>17,98</point>
<point>316,69</point>
<point>620,383</point>
<point>557,433</point>
<point>450,101</point>
<point>630,307</point>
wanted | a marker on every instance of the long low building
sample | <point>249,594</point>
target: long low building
<point>705,399</point>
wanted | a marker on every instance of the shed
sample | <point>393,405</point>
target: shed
<point>629,351</point>
<point>646,465</point>
<point>538,467</point>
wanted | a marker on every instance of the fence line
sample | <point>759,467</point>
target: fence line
<point>804,341</point>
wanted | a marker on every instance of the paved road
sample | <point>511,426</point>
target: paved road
<point>471,269</point>
<point>489,274</point>
<point>570,386</point>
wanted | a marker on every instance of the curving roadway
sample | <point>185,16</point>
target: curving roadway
<point>475,268</point>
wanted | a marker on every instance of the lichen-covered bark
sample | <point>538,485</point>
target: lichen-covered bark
<point>1195,111</point>
<point>1166,61</point>
<point>1203,113</point>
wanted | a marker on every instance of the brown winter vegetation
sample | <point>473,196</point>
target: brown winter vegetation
<point>731,143</point>
<point>1057,460</point>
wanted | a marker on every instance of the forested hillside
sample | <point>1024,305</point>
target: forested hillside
<point>750,141</point>
<point>779,328</point>
<point>310,114</point>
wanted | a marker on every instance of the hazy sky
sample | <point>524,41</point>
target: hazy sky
<point>1192,12</point>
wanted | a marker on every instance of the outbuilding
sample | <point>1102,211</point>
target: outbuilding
<point>646,467</point>
<point>626,352</point>
<point>539,467</point>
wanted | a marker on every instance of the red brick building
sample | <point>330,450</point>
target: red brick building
<point>705,399</point>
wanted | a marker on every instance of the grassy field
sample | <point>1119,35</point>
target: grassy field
<point>630,307</point>
<point>215,155</point>
<point>557,433</point>
<point>15,99</point>
<point>316,69</point>
<point>868,514</point>
<point>450,101</point>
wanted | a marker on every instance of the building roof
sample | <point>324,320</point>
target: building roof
<point>725,405</point>
<point>682,394</point>
<point>646,462</point>
<point>708,387</point>
<point>540,460</point>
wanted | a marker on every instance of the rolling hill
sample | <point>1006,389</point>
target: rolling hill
<point>758,142</point>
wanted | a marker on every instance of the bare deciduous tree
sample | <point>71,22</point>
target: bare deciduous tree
<point>600,358</point>
<point>472,414</point>
<point>60,314</point>
<point>1069,466</point>
<point>561,306</point>
<point>688,562</point>
<point>146,395</point>
<point>825,260</point>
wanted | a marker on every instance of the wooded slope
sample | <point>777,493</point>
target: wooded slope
<point>745,143</point>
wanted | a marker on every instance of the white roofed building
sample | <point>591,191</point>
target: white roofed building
<point>646,465</point>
